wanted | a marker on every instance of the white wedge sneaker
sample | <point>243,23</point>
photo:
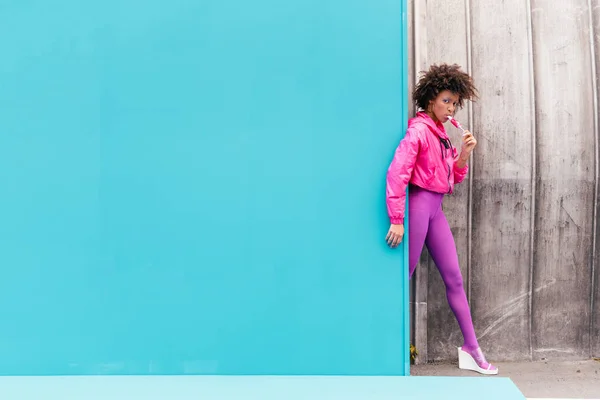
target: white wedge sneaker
<point>475,362</point>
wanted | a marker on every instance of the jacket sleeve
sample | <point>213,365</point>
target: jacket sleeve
<point>459,173</point>
<point>399,174</point>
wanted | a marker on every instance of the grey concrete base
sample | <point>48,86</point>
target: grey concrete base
<point>552,380</point>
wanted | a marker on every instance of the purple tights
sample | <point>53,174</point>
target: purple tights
<point>428,225</point>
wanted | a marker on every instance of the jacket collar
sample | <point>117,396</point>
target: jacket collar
<point>435,127</point>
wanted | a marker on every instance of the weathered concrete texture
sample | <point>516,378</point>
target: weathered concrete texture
<point>501,266</point>
<point>565,197</point>
<point>595,331</point>
<point>572,380</point>
<point>524,222</point>
<point>419,306</point>
<point>503,169</point>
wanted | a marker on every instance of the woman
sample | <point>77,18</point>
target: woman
<point>429,165</point>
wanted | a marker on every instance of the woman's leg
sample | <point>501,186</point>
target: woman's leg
<point>419,225</point>
<point>442,249</point>
<point>421,203</point>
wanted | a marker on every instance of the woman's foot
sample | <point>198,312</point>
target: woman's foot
<point>474,360</point>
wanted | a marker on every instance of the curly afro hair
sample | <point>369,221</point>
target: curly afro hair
<point>443,77</point>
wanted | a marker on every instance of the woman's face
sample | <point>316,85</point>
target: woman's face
<point>443,106</point>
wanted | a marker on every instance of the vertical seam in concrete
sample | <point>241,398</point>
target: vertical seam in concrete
<point>533,171</point>
<point>416,54</point>
<point>470,201</point>
<point>404,48</point>
<point>594,222</point>
<point>417,41</point>
<point>417,284</point>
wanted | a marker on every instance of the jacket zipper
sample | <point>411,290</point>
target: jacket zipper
<point>447,165</point>
<point>449,188</point>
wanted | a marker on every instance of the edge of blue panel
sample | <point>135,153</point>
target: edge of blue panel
<point>405,99</point>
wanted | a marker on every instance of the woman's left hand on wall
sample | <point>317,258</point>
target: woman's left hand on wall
<point>395,235</point>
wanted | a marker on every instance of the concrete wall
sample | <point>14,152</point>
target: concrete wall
<point>525,219</point>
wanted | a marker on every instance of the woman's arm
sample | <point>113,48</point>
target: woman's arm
<point>461,162</point>
<point>461,168</point>
<point>398,176</point>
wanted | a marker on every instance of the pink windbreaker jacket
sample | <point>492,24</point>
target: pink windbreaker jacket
<point>424,158</point>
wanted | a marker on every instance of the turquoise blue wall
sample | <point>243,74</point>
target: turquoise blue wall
<point>197,187</point>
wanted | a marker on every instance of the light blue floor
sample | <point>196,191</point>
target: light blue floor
<point>256,387</point>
